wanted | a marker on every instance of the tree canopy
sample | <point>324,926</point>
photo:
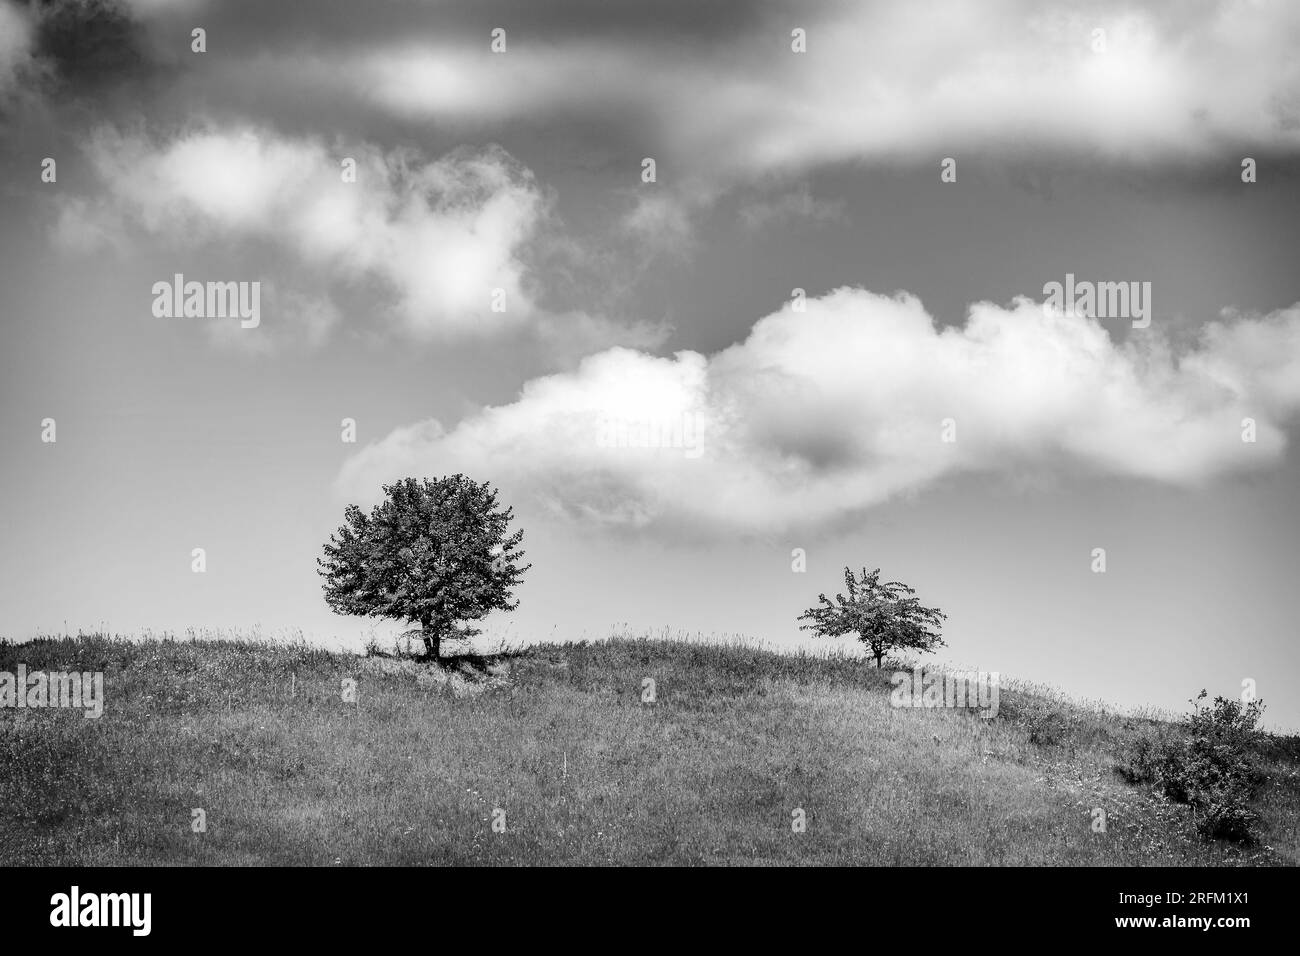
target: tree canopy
<point>433,552</point>
<point>884,615</point>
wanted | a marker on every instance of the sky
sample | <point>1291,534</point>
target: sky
<point>824,325</point>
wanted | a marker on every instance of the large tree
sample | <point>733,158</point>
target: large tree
<point>434,553</point>
<point>883,614</point>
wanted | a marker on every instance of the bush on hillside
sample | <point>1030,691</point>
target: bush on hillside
<point>1213,766</point>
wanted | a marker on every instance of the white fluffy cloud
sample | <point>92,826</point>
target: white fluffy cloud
<point>440,236</point>
<point>821,414</point>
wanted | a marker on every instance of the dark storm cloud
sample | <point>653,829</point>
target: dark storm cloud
<point>90,44</point>
<point>251,24</point>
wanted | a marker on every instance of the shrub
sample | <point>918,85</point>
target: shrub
<point>1212,766</point>
<point>1047,720</point>
<point>1047,729</point>
<point>1141,758</point>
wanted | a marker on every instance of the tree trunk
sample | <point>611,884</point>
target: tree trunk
<point>432,639</point>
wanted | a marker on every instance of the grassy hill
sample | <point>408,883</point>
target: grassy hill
<point>559,738</point>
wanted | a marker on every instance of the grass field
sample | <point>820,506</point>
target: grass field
<point>556,747</point>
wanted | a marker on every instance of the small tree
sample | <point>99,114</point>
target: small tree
<point>884,615</point>
<point>435,553</point>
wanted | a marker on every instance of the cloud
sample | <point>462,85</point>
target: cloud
<point>565,338</point>
<point>793,206</point>
<point>661,221</point>
<point>1160,83</point>
<point>82,226</point>
<point>16,38</point>
<point>440,237</point>
<point>149,8</point>
<point>820,415</point>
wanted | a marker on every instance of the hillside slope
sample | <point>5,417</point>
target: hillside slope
<point>556,746</point>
